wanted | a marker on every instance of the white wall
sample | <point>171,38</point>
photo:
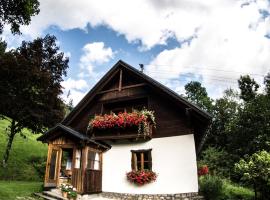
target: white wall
<point>173,159</point>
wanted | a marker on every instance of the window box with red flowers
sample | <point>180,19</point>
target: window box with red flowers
<point>140,120</point>
<point>141,177</point>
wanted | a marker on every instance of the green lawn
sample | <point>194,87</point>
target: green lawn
<point>23,152</point>
<point>22,190</point>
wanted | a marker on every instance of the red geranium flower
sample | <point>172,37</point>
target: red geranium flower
<point>203,170</point>
<point>141,177</point>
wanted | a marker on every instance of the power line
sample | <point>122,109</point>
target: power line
<point>205,68</point>
<point>192,76</point>
<point>212,80</point>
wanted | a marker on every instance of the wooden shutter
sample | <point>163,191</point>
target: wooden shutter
<point>150,159</point>
<point>134,161</point>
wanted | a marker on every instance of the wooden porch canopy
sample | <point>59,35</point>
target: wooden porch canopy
<point>60,129</point>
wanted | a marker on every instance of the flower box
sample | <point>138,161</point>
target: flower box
<point>123,122</point>
<point>141,177</point>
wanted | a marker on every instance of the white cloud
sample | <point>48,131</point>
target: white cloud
<point>229,43</point>
<point>74,84</point>
<point>149,22</point>
<point>75,95</point>
<point>95,54</point>
<point>67,54</point>
<point>74,89</point>
<point>228,35</point>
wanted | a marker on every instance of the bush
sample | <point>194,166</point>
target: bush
<point>39,164</point>
<point>233,192</point>
<point>215,188</point>
<point>211,187</point>
<point>217,161</point>
<point>255,171</point>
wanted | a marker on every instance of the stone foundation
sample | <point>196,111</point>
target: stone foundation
<point>124,196</point>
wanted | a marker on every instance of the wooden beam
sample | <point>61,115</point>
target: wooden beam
<point>188,114</point>
<point>46,178</point>
<point>84,165</point>
<point>134,86</point>
<point>122,88</point>
<point>120,80</point>
<point>58,161</point>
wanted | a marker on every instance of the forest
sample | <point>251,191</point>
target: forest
<point>237,143</point>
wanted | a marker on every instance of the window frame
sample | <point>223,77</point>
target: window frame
<point>89,166</point>
<point>140,165</point>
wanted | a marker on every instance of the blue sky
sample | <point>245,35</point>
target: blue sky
<point>178,41</point>
<point>74,40</point>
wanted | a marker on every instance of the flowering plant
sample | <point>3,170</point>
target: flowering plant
<point>72,193</point>
<point>141,177</point>
<point>69,189</point>
<point>123,120</point>
<point>203,170</point>
<point>65,187</point>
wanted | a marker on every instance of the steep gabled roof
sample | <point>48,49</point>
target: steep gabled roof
<point>71,132</point>
<point>91,94</point>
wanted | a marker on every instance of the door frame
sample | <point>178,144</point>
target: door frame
<point>97,173</point>
<point>53,182</point>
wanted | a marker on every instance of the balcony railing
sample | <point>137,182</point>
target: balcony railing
<point>137,125</point>
<point>120,134</point>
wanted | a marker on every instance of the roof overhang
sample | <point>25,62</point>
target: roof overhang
<point>50,135</point>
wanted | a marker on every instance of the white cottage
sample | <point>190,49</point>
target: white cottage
<point>128,122</point>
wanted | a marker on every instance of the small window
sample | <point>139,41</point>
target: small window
<point>141,159</point>
<point>93,161</point>
<point>78,156</point>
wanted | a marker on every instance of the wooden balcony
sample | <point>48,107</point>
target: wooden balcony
<point>123,134</point>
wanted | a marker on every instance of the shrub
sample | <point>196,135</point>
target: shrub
<point>39,163</point>
<point>211,187</point>
<point>255,171</point>
<point>217,160</point>
<point>233,191</point>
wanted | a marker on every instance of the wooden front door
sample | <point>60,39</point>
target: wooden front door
<point>52,168</point>
<point>93,173</point>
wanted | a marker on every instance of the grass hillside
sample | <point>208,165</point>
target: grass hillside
<point>19,190</point>
<point>27,156</point>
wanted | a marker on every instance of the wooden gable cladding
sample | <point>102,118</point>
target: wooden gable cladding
<point>170,119</point>
<point>122,79</point>
<point>122,87</point>
<point>62,140</point>
<point>174,114</point>
<point>128,91</point>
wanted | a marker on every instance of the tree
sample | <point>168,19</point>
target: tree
<point>30,78</point>
<point>16,13</point>
<point>249,131</point>
<point>198,95</point>
<point>267,84</point>
<point>218,161</point>
<point>3,46</point>
<point>224,111</point>
<point>255,170</point>
<point>248,88</point>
